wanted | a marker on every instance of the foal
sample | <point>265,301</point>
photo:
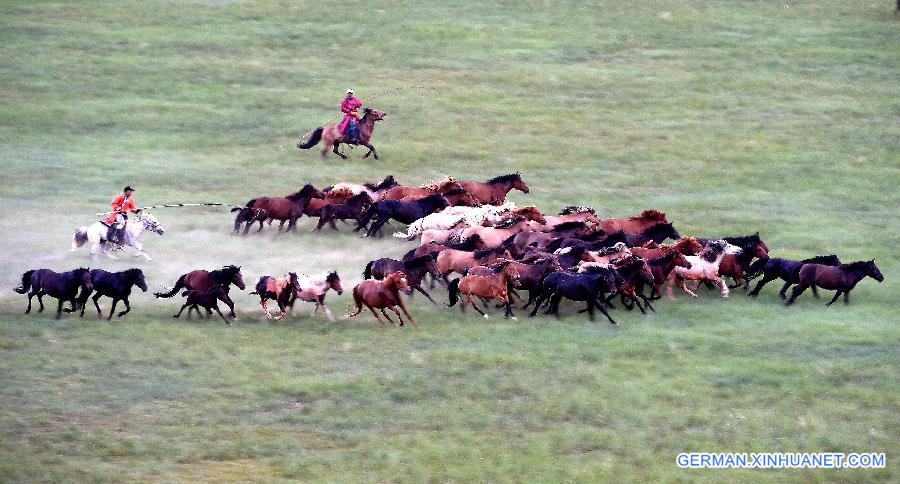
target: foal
<point>207,300</point>
<point>490,287</point>
<point>384,294</point>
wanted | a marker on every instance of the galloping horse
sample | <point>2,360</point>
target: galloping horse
<point>842,278</point>
<point>279,290</point>
<point>62,286</point>
<point>633,225</point>
<point>286,209</point>
<point>313,290</point>
<point>115,285</point>
<point>491,287</point>
<point>374,190</point>
<point>704,267</point>
<point>202,280</point>
<point>332,137</point>
<point>786,269</point>
<point>96,235</point>
<point>384,294</point>
<point>493,192</point>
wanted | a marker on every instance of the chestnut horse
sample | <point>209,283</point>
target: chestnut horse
<point>286,209</point>
<point>490,287</point>
<point>384,294</point>
<point>332,137</point>
<point>493,191</point>
<point>633,225</point>
<point>401,192</point>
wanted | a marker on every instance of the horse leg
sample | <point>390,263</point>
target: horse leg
<point>371,151</point>
<point>40,297</point>
<point>475,305</point>
<point>112,309</point>
<point>182,309</point>
<point>590,309</point>
<point>603,310</point>
<point>216,307</point>
<point>334,149</point>
<point>127,308</point>
<point>814,290</point>
<point>419,288</point>
<point>554,305</point>
<point>321,302</point>
<point>265,305</point>
<point>59,309</point>
<point>721,283</point>
<point>670,284</point>
<point>230,305</point>
<point>28,309</point>
<point>399,317</point>
<point>140,250</point>
<point>837,294</point>
<point>797,291</point>
<point>685,289</point>
<point>765,280</point>
<point>376,315</point>
<point>410,318</point>
<point>847,296</point>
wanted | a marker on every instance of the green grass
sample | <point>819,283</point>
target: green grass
<point>732,117</point>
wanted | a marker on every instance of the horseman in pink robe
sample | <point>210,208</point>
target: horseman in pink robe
<point>350,124</point>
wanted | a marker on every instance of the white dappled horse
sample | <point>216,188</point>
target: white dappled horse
<point>96,234</point>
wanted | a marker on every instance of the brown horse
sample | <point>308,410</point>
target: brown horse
<point>496,235</point>
<point>573,213</point>
<point>493,191</point>
<point>332,137</point>
<point>684,246</point>
<point>842,278</point>
<point>635,224</point>
<point>457,197</point>
<point>279,290</point>
<point>384,294</point>
<point>202,280</point>
<point>662,266</point>
<point>401,192</point>
<point>332,197</point>
<point>459,261</point>
<point>495,286</point>
<point>286,209</point>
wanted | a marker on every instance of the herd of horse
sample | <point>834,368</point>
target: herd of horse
<point>497,250</point>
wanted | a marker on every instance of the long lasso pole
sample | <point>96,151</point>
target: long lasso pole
<point>174,205</point>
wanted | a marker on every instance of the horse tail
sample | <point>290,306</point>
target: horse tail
<point>367,272</point>
<point>453,289</point>
<point>313,140</point>
<point>755,269</point>
<point>79,237</point>
<point>26,283</point>
<point>359,304</point>
<point>178,285</point>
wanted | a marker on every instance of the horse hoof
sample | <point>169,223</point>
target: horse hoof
<point>486,316</point>
<point>513,318</point>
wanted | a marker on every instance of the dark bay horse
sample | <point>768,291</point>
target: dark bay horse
<point>286,209</point>
<point>587,286</point>
<point>114,285</point>
<point>202,280</point>
<point>655,233</point>
<point>353,208</point>
<point>842,278</point>
<point>402,211</point>
<point>493,191</point>
<point>787,270</point>
<point>332,137</point>
<point>62,286</point>
<point>208,300</point>
<point>415,269</point>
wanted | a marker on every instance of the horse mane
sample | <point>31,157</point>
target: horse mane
<point>417,261</point>
<point>301,193</point>
<point>504,178</point>
<point>852,266</point>
<point>657,227</point>
<point>575,224</point>
<point>830,260</point>
<point>482,253</point>
<point>226,271</point>
<point>386,182</point>
<point>663,259</point>
<point>332,275</point>
<point>649,215</point>
<point>454,191</point>
<point>744,240</point>
<point>366,112</point>
<point>593,268</point>
<point>434,185</point>
<point>508,222</point>
<point>573,209</point>
<point>358,196</point>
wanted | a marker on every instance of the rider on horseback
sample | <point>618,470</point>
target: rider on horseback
<point>350,124</point>
<point>121,205</point>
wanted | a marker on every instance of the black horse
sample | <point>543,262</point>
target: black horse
<point>842,278</point>
<point>593,243</point>
<point>655,233</point>
<point>405,212</point>
<point>586,286</point>
<point>207,300</point>
<point>62,286</point>
<point>415,270</point>
<point>115,285</point>
<point>786,269</point>
<point>353,208</point>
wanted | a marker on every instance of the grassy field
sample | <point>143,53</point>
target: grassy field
<point>732,117</point>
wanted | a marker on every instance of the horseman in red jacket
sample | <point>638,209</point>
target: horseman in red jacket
<point>121,204</point>
<point>350,124</point>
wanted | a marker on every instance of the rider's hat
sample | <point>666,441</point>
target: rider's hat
<point>349,91</point>
<point>128,189</point>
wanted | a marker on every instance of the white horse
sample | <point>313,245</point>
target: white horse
<point>704,267</point>
<point>451,217</point>
<point>97,232</point>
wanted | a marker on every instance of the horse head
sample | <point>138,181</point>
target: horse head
<point>137,278</point>
<point>83,275</point>
<point>149,222</point>
<point>234,276</point>
<point>398,281</point>
<point>873,272</point>
<point>373,115</point>
<point>334,282</point>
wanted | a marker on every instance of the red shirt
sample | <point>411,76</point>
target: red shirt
<point>120,204</point>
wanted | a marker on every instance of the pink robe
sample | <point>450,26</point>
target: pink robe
<point>349,107</point>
